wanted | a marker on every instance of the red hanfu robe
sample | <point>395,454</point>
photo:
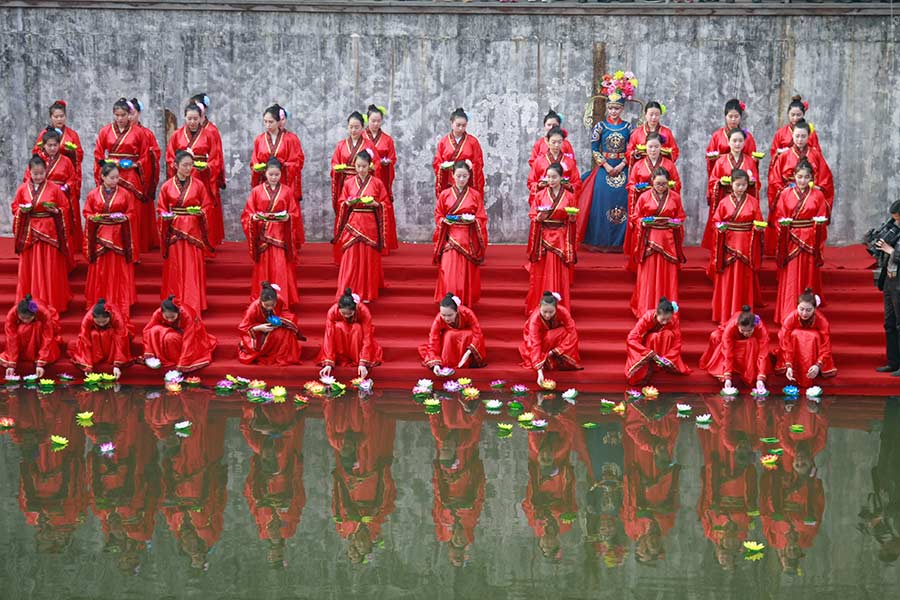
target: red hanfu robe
<point>736,255</point>
<point>658,249</point>
<point>273,241</point>
<point>802,344</point>
<point>647,336</point>
<point>638,137</point>
<point>359,237</point>
<point>781,176</point>
<point>280,346</point>
<point>718,146</point>
<point>344,155</point>
<point>538,172</point>
<point>350,342</point>
<point>70,146</point>
<point>201,145</point>
<point>640,176</point>
<point>33,344</point>
<point>120,147</point>
<point>41,241</point>
<point>801,245</point>
<point>147,217</point>
<point>451,150</point>
<point>110,246</point>
<point>387,153</point>
<point>183,345</point>
<point>61,171</point>
<point>784,140</point>
<point>185,241</point>
<point>99,349</point>
<point>716,191</point>
<point>447,343</point>
<point>459,244</point>
<point>287,149</point>
<point>551,246</point>
<point>550,344</point>
<point>732,356</point>
<point>541,147</point>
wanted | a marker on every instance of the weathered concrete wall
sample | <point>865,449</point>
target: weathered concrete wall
<point>505,70</point>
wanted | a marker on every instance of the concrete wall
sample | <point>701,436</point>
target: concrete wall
<point>505,70</point>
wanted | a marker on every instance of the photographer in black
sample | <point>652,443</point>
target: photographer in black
<point>884,245</point>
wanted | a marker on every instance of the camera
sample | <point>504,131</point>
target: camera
<point>888,231</point>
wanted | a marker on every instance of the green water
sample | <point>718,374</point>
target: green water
<point>353,485</point>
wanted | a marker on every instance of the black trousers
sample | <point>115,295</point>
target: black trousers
<point>892,322</point>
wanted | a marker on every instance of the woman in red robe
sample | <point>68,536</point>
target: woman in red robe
<point>217,156</point>
<point>384,148</point>
<point>784,137</point>
<point>460,238</point>
<point>41,238</point>
<point>110,243</point>
<point>637,141</point>
<point>70,146</point>
<point>61,171</point>
<point>103,343</point>
<point>125,145</point>
<point>360,232</point>
<point>349,337</point>
<point>153,155</point>
<point>719,184</point>
<point>551,241</point>
<point>655,343</point>
<point>537,176</point>
<point>269,332</point>
<point>718,141</point>
<point>177,337</point>
<point>738,351</point>
<point>184,216</point>
<point>658,223</point>
<point>549,338</point>
<point>279,143</point>
<point>804,343</point>
<point>640,176</point>
<point>199,144</point>
<point>551,119</point>
<point>32,337</point>
<point>270,221</point>
<point>343,159</point>
<point>737,248</point>
<point>454,147</point>
<point>456,339</point>
<point>801,219</point>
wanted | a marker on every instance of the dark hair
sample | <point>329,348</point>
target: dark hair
<point>364,154</point>
<point>660,171</point>
<point>26,306</point>
<point>461,164</point>
<point>459,113</point>
<point>50,134</point>
<point>739,174</point>
<point>193,107</point>
<point>36,160</point>
<point>275,111</point>
<point>797,102</point>
<point>100,309</point>
<point>108,167</point>
<point>807,296</point>
<point>665,307</point>
<point>895,207</point>
<point>734,105</point>
<point>556,167</point>
<point>346,300</point>
<point>168,305</point>
<point>802,124</point>
<point>448,302</point>
<point>57,105</point>
<point>737,130</point>
<point>138,105</point>
<point>549,298</point>
<point>652,104</point>
<point>804,165</point>
<point>274,163</point>
<point>123,104</point>
<point>358,116</point>
<point>552,114</point>
<point>202,98</point>
<point>267,292</point>
<point>181,155</point>
<point>653,135</point>
<point>556,131</point>
<point>746,317</point>
<point>372,109</point>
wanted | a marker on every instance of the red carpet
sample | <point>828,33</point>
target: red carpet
<point>404,312</point>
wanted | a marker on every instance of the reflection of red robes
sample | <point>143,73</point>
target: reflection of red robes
<point>201,145</point>
<point>61,171</point>
<point>730,355</point>
<point>657,249</point>
<point>183,345</point>
<point>812,439</point>
<point>111,248</point>
<point>447,343</point>
<point>647,336</point>
<point>790,505</point>
<point>541,337</point>
<point>37,342</point>
<point>459,245</point>
<point>185,239</point>
<point>101,348</point>
<point>274,244</point>
<point>359,237</point>
<point>736,255</point>
<point>638,137</point>
<point>552,245</point>
<point>718,146</point>
<point>387,158</point>
<point>280,346</point>
<point>804,344</point>
<point>345,154</point>
<point>451,150</point>
<point>640,176</point>
<point>41,241</point>
<point>716,191</point>
<point>350,342</point>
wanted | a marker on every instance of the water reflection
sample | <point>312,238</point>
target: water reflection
<point>145,489</point>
